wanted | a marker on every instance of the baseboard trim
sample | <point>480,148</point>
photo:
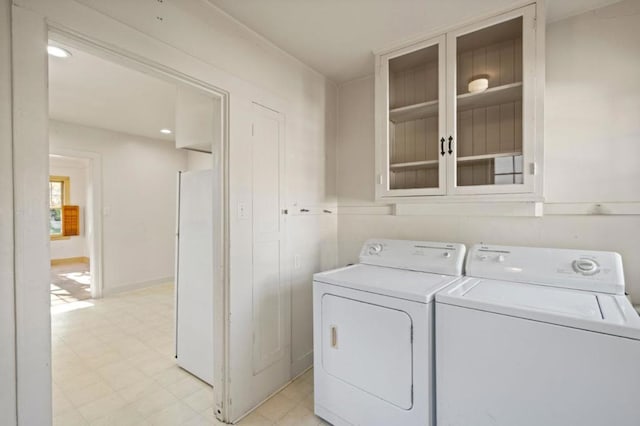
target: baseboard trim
<point>302,364</point>
<point>68,260</point>
<point>124,288</point>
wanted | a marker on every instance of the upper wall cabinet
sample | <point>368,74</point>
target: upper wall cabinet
<point>456,114</point>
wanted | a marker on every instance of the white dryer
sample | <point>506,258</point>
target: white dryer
<point>373,333</point>
<point>538,337</point>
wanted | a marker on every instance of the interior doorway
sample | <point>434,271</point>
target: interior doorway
<point>31,133</point>
<point>70,189</point>
<point>114,351</point>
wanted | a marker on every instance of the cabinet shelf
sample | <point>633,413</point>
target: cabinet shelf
<point>472,158</point>
<point>493,96</point>
<point>413,165</point>
<point>413,112</point>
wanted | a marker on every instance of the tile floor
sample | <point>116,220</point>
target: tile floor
<point>113,365</point>
<point>70,283</point>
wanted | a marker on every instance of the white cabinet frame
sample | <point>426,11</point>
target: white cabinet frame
<point>533,80</point>
<point>528,14</point>
<point>382,120</point>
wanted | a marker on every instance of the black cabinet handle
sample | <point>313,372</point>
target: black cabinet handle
<point>442,147</point>
<point>450,150</point>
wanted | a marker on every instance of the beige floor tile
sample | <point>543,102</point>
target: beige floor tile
<point>299,416</point>
<point>70,418</point>
<point>61,404</point>
<point>210,416</point>
<point>308,401</point>
<point>154,402</point>
<point>187,386</point>
<point>298,390</point>
<point>256,419</point>
<point>202,421</point>
<point>123,378</point>
<point>276,407</point>
<point>138,390</point>
<point>125,416</point>
<point>101,406</point>
<point>170,376</point>
<point>175,414</point>
<point>105,358</point>
<point>84,395</point>
<point>114,365</point>
<point>201,400</point>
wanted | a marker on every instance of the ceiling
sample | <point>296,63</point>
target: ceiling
<point>336,37</point>
<point>87,90</point>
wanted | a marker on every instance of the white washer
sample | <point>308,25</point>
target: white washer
<point>538,337</point>
<point>373,333</point>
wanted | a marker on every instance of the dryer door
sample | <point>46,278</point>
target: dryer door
<point>370,347</point>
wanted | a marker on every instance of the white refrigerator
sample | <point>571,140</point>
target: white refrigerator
<point>194,274</point>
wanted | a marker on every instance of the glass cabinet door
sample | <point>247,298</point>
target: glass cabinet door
<point>415,160</point>
<point>488,125</point>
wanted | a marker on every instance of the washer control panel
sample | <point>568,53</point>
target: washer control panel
<point>586,266</point>
<point>424,256</point>
<point>578,269</point>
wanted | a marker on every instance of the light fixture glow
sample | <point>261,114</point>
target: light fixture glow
<point>166,131</point>
<point>58,52</point>
<point>478,85</point>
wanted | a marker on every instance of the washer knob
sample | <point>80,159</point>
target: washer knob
<point>446,254</point>
<point>483,257</point>
<point>500,258</point>
<point>375,248</point>
<point>585,266</point>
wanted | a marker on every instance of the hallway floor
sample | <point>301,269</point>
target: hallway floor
<point>113,365</point>
<point>70,283</point>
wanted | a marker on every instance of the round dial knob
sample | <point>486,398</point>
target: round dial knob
<point>446,254</point>
<point>585,266</point>
<point>375,248</point>
<point>500,258</point>
<point>483,257</point>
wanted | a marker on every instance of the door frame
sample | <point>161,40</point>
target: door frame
<point>95,240</point>
<point>30,33</point>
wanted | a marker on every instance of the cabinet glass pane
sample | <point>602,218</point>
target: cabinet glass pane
<point>489,105</point>
<point>413,120</point>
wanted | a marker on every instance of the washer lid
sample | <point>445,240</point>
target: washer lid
<point>398,283</point>
<point>605,313</point>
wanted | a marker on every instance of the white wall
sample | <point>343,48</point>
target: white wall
<point>139,196</point>
<point>591,150</point>
<point>7,311</point>
<point>199,161</point>
<point>76,170</point>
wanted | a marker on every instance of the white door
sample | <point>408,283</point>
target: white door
<point>270,286</point>
<point>370,347</point>
<point>194,282</point>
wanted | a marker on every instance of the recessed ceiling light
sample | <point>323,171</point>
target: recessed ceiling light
<point>58,52</point>
<point>166,131</point>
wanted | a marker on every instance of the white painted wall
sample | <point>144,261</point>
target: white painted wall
<point>76,170</point>
<point>591,150</point>
<point>199,160</point>
<point>7,309</point>
<point>139,190</point>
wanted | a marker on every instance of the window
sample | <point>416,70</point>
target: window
<point>59,189</point>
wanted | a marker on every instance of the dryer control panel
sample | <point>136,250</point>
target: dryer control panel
<point>597,271</point>
<point>424,256</point>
